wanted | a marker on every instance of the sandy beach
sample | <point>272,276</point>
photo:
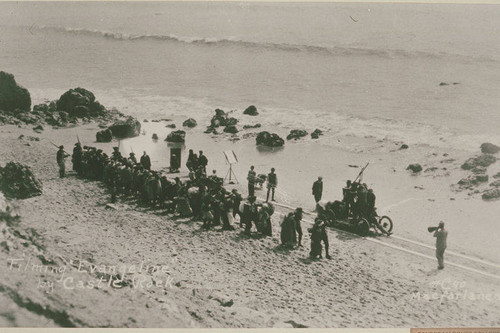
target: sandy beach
<point>212,279</point>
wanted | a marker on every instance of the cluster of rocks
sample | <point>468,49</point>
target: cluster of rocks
<point>222,119</point>
<point>17,181</point>
<point>73,106</point>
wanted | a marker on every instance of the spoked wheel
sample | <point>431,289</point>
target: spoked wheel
<point>385,223</point>
<point>362,227</point>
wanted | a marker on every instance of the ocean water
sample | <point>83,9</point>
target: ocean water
<point>356,69</point>
<point>362,72</point>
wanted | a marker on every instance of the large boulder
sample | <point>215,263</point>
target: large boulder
<point>176,136</point>
<point>221,118</point>
<point>251,111</point>
<point>12,96</point>
<point>126,128</point>
<point>230,129</point>
<point>269,139</point>
<point>489,148</point>
<point>17,181</point>
<point>189,123</point>
<point>296,134</point>
<point>415,168</point>
<point>483,160</point>
<point>80,103</point>
<point>104,136</point>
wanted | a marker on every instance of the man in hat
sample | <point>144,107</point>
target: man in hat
<point>77,157</point>
<point>202,161</point>
<point>317,189</point>
<point>272,182</point>
<point>116,156</point>
<point>61,155</point>
<point>251,181</point>
<point>441,236</point>
<point>146,161</point>
<point>132,158</point>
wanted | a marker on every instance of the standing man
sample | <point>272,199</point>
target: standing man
<point>146,161</point>
<point>203,161</point>
<point>441,236</point>
<point>61,155</point>
<point>77,157</point>
<point>251,181</point>
<point>298,228</point>
<point>317,189</point>
<point>272,182</point>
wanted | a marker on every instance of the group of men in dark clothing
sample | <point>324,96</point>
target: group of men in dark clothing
<point>359,200</point>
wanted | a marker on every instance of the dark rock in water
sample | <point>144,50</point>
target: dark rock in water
<point>231,121</point>
<point>414,167</point>
<point>251,111</point>
<point>443,84</point>
<point>155,136</point>
<point>269,139</point>
<point>12,96</point>
<point>230,129</point>
<point>104,136</point>
<point>221,118</point>
<point>317,132</point>
<point>483,160</point>
<point>126,129</point>
<point>17,181</point>
<point>252,126</point>
<point>170,126</point>
<point>145,121</point>
<point>189,123</point>
<point>473,180</point>
<point>478,170</point>
<point>80,103</point>
<point>403,146</point>
<point>491,194</point>
<point>38,128</point>
<point>489,148</point>
<point>176,136</point>
<point>296,134</point>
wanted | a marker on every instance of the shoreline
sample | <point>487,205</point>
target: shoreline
<point>267,288</point>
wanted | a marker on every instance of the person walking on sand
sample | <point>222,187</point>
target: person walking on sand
<point>251,181</point>
<point>272,182</point>
<point>441,234</point>
<point>61,155</point>
<point>317,189</point>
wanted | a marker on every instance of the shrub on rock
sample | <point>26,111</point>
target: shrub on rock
<point>12,96</point>
<point>483,160</point>
<point>296,134</point>
<point>489,148</point>
<point>189,123</point>
<point>126,128</point>
<point>251,111</point>
<point>104,136</point>
<point>269,139</point>
<point>17,181</point>
<point>176,136</point>
<point>415,168</point>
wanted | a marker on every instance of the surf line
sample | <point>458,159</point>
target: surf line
<point>406,250</point>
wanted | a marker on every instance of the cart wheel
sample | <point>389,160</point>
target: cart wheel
<point>386,223</point>
<point>363,227</point>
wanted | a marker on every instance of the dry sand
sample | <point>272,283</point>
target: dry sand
<point>212,279</point>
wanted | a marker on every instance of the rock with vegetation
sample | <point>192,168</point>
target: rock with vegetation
<point>269,139</point>
<point>491,194</point>
<point>489,148</point>
<point>80,103</point>
<point>189,123</point>
<point>483,160</point>
<point>415,168</point>
<point>316,134</point>
<point>230,129</point>
<point>296,134</point>
<point>12,96</point>
<point>251,111</point>
<point>176,136</point>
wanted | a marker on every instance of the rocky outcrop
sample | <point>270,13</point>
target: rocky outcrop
<point>176,136</point>
<point>231,129</point>
<point>104,136</point>
<point>252,126</point>
<point>478,170</point>
<point>221,118</point>
<point>473,180</point>
<point>489,148</point>
<point>80,103</point>
<point>251,111</point>
<point>491,194</point>
<point>17,181</point>
<point>189,123</point>
<point>126,128</point>
<point>483,160</point>
<point>296,134</point>
<point>316,134</point>
<point>12,96</point>
<point>269,139</point>
<point>415,168</point>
